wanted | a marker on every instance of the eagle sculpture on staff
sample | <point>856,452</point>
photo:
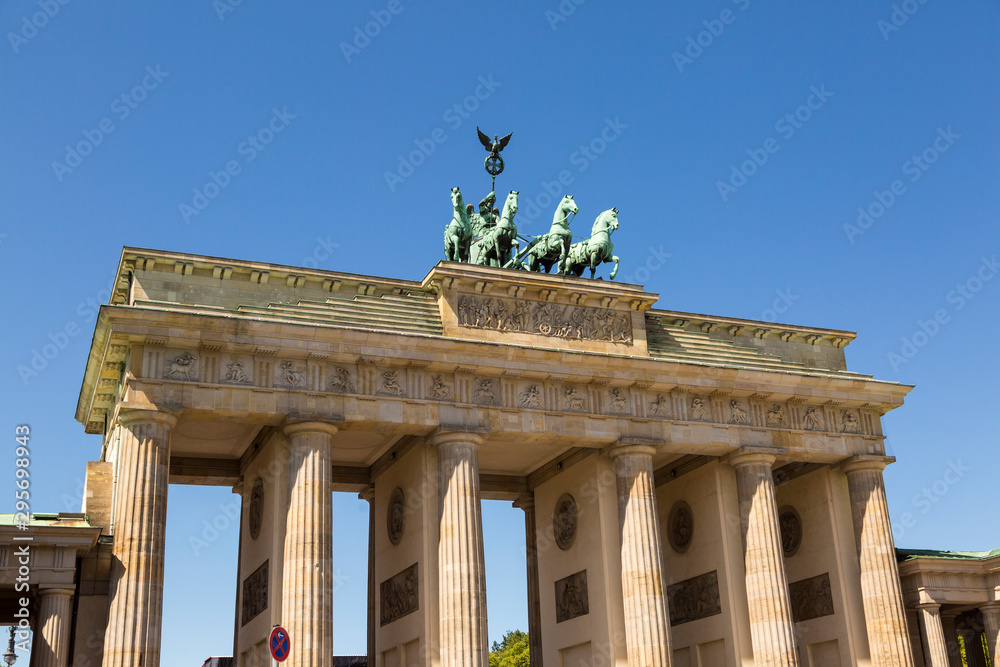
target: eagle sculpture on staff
<point>494,163</point>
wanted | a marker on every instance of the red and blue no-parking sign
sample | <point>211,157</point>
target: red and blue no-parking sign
<point>279,643</point>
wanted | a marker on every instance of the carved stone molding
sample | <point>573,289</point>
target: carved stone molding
<point>544,318</point>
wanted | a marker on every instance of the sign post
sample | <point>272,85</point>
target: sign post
<point>280,644</point>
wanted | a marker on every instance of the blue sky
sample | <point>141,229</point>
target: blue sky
<point>739,138</point>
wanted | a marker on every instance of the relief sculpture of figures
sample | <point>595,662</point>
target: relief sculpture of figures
<point>740,416</point>
<point>236,372</point>
<point>438,388</point>
<point>342,381</point>
<point>287,375</point>
<point>850,422</point>
<point>575,400</point>
<point>182,368</point>
<point>776,416</point>
<point>390,384</point>
<point>811,419</point>
<point>597,250</point>
<point>530,398</point>
<point>698,411</point>
<point>659,406</point>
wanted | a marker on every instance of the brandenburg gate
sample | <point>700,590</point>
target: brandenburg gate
<point>697,490</point>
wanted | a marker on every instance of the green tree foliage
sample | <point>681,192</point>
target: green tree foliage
<point>512,651</point>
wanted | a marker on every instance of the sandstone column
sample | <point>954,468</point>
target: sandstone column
<point>307,574</point>
<point>369,495</point>
<point>951,640</point>
<point>135,612</point>
<point>462,570</point>
<point>991,622</point>
<point>527,503</point>
<point>772,631</point>
<point>881,591</point>
<point>55,616</point>
<point>644,599</point>
<point>936,646</point>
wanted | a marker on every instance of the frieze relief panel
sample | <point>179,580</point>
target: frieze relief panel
<point>811,598</point>
<point>694,598</point>
<point>371,377</point>
<point>400,596</point>
<point>254,598</point>
<point>572,598</point>
<point>544,319</point>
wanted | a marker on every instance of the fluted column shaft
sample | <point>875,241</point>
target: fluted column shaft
<point>951,640</point>
<point>991,622</point>
<point>527,503</point>
<point>135,612</point>
<point>644,600</point>
<point>881,591</point>
<point>937,645</point>
<point>307,573</point>
<point>461,565</point>
<point>772,631</point>
<point>55,616</point>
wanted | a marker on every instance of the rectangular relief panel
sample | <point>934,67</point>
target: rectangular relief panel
<point>824,654</point>
<point>694,598</point>
<point>571,597</point>
<point>811,598</point>
<point>400,595</point>
<point>254,594</point>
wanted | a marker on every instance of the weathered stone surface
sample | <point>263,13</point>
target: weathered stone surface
<point>881,591</point>
<point>771,625</point>
<point>644,599</point>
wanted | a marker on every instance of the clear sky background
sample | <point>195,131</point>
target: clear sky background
<point>619,96</point>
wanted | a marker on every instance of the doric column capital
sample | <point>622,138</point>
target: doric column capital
<point>866,462</point>
<point>131,416</point>
<point>631,449</point>
<point>452,436</point>
<point>752,455</point>
<point>302,426</point>
<point>931,606</point>
<point>64,592</point>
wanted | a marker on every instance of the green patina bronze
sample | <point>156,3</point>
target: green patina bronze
<point>490,238</point>
<point>598,249</point>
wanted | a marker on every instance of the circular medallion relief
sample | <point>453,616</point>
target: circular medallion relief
<point>791,530</point>
<point>395,515</point>
<point>564,521</point>
<point>680,526</point>
<point>256,513</point>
